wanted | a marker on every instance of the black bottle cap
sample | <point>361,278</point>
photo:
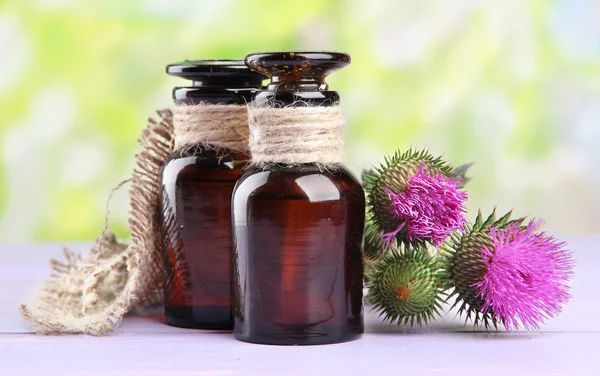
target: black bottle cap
<point>229,74</point>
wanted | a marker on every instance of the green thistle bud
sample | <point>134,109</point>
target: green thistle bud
<point>406,287</point>
<point>374,247</point>
<point>394,175</point>
<point>464,265</point>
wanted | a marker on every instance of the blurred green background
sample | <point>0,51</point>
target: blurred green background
<point>513,85</point>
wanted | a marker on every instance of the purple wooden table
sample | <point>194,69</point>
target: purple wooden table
<point>567,345</point>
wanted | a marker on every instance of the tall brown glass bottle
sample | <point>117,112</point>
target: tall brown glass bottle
<point>297,230</point>
<point>197,187</point>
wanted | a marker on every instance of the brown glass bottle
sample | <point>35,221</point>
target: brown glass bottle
<point>297,231</point>
<point>197,187</point>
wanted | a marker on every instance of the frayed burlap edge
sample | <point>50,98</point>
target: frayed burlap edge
<point>92,295</point>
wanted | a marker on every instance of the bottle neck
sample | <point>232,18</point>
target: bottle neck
<point>301,84</point>
<point>296,98</point>
<point>212,95</point>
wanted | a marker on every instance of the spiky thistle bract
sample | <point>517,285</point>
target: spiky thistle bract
<point>374,247</point>
<point>415,197</point>
<point>406,288</point>
<point>461,173</point>
<point>464,266</point>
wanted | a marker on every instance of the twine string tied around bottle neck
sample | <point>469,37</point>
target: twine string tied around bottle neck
<point>295,135</point>
<point>215,126</point>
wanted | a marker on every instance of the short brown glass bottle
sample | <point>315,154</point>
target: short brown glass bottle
<point>297,230</point>
<point>197,187</point>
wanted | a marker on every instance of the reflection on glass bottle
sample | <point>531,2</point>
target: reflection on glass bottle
<point>176,272</point>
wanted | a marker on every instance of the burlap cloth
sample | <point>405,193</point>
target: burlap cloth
<point>91,294</point>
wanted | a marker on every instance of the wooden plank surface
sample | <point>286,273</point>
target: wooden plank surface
<point>568,344</point>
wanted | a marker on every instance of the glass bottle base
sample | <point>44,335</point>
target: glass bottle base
<point>200,317</point>
<point>300,337</point>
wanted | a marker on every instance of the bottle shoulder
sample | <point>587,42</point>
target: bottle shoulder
<point>192,165</point>
<point>300,181</point>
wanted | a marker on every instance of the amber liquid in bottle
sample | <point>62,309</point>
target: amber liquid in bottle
<point>298,265</point>
<point>197,188</point>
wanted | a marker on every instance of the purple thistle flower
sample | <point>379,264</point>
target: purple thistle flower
<point>526,276</point>
<point>431,207</point>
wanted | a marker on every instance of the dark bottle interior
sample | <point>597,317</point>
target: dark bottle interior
<point>298,265</point>
<point>197,188</point>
